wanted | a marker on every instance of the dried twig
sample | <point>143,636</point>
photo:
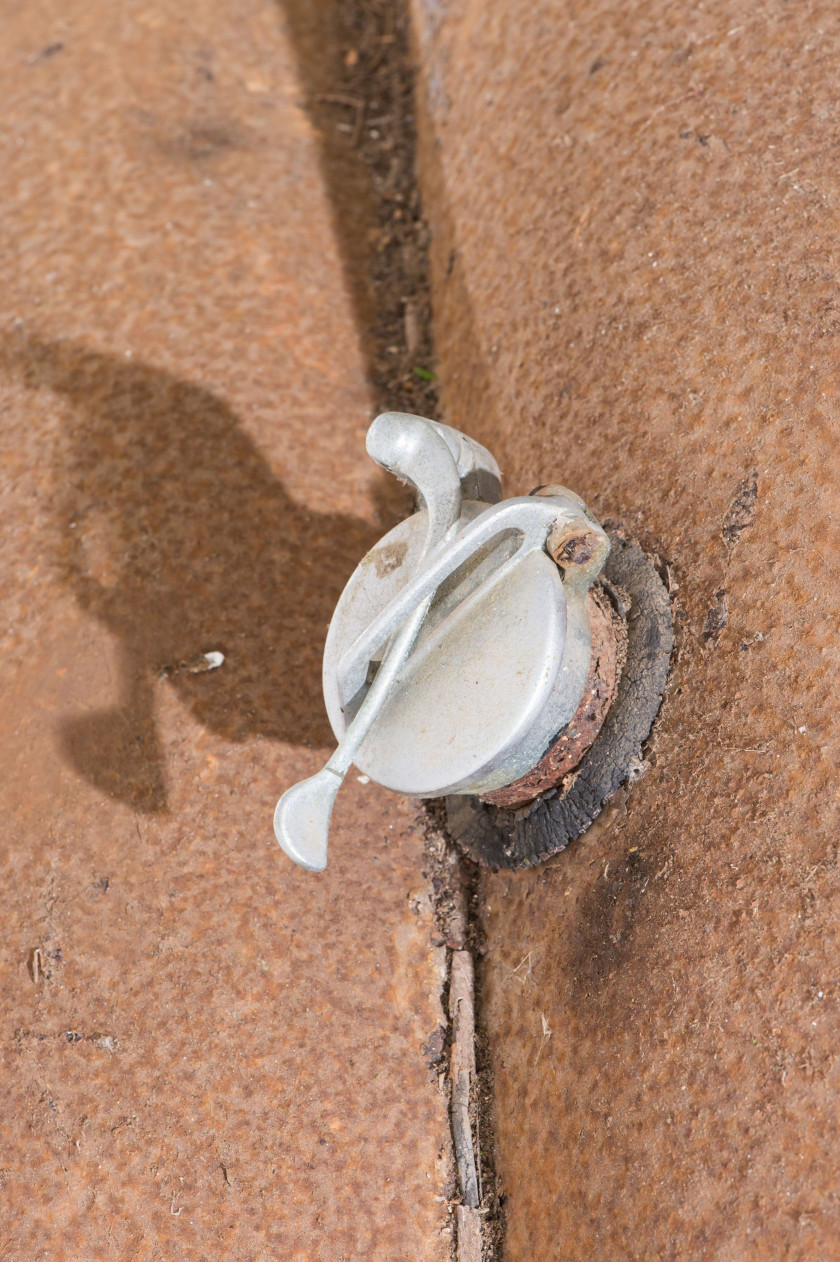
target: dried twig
<point>462,1071</point>
<point>355,103</point>
<point>469,1234</point>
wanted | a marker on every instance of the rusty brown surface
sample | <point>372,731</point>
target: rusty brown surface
<point>206,1053</point>
<point>566,751</point>
<point>636,258</point>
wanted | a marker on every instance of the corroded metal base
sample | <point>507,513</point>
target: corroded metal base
<point>504,837</point>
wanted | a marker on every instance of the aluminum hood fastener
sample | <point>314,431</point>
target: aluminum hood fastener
<point>460,647</point>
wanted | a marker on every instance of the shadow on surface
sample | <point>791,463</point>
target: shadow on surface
<point>178,537</point>
<point>354,69</point>
<point>318,29</point>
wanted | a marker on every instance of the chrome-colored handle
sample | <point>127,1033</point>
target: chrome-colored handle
<point>466,531</point>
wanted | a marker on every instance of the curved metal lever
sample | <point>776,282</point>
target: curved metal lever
<point>416,451</point>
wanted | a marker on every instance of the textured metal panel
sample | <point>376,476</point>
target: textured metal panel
<point>636,260</point>
<point>205,1053</point>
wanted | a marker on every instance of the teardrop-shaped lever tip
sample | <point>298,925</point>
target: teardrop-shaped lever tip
<point>302,819</point>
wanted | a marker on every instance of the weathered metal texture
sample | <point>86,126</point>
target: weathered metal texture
<point>565,752</point>
<point>205,1053</point>
<point>636,259</point>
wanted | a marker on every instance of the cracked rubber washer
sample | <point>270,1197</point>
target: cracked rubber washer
<point>519,838</point>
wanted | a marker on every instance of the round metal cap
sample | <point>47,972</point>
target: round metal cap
<point>464,709</point>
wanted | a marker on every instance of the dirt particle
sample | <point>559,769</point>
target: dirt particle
<point>50,50</point>
<point>716,618</point>
<point>741,512</point>
<point>434,1045</point>
<point>388,559</point>
<point>35,965</point>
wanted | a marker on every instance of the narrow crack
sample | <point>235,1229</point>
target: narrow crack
<point>479,1211</point>
<point>358,82</point>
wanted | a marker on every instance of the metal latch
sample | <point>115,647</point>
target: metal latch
<point>460,647</point>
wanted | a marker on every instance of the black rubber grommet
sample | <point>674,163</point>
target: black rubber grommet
<point>502,838</point>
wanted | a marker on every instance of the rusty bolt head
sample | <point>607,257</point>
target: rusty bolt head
<point>575,551</point>
<point>578,545</point>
